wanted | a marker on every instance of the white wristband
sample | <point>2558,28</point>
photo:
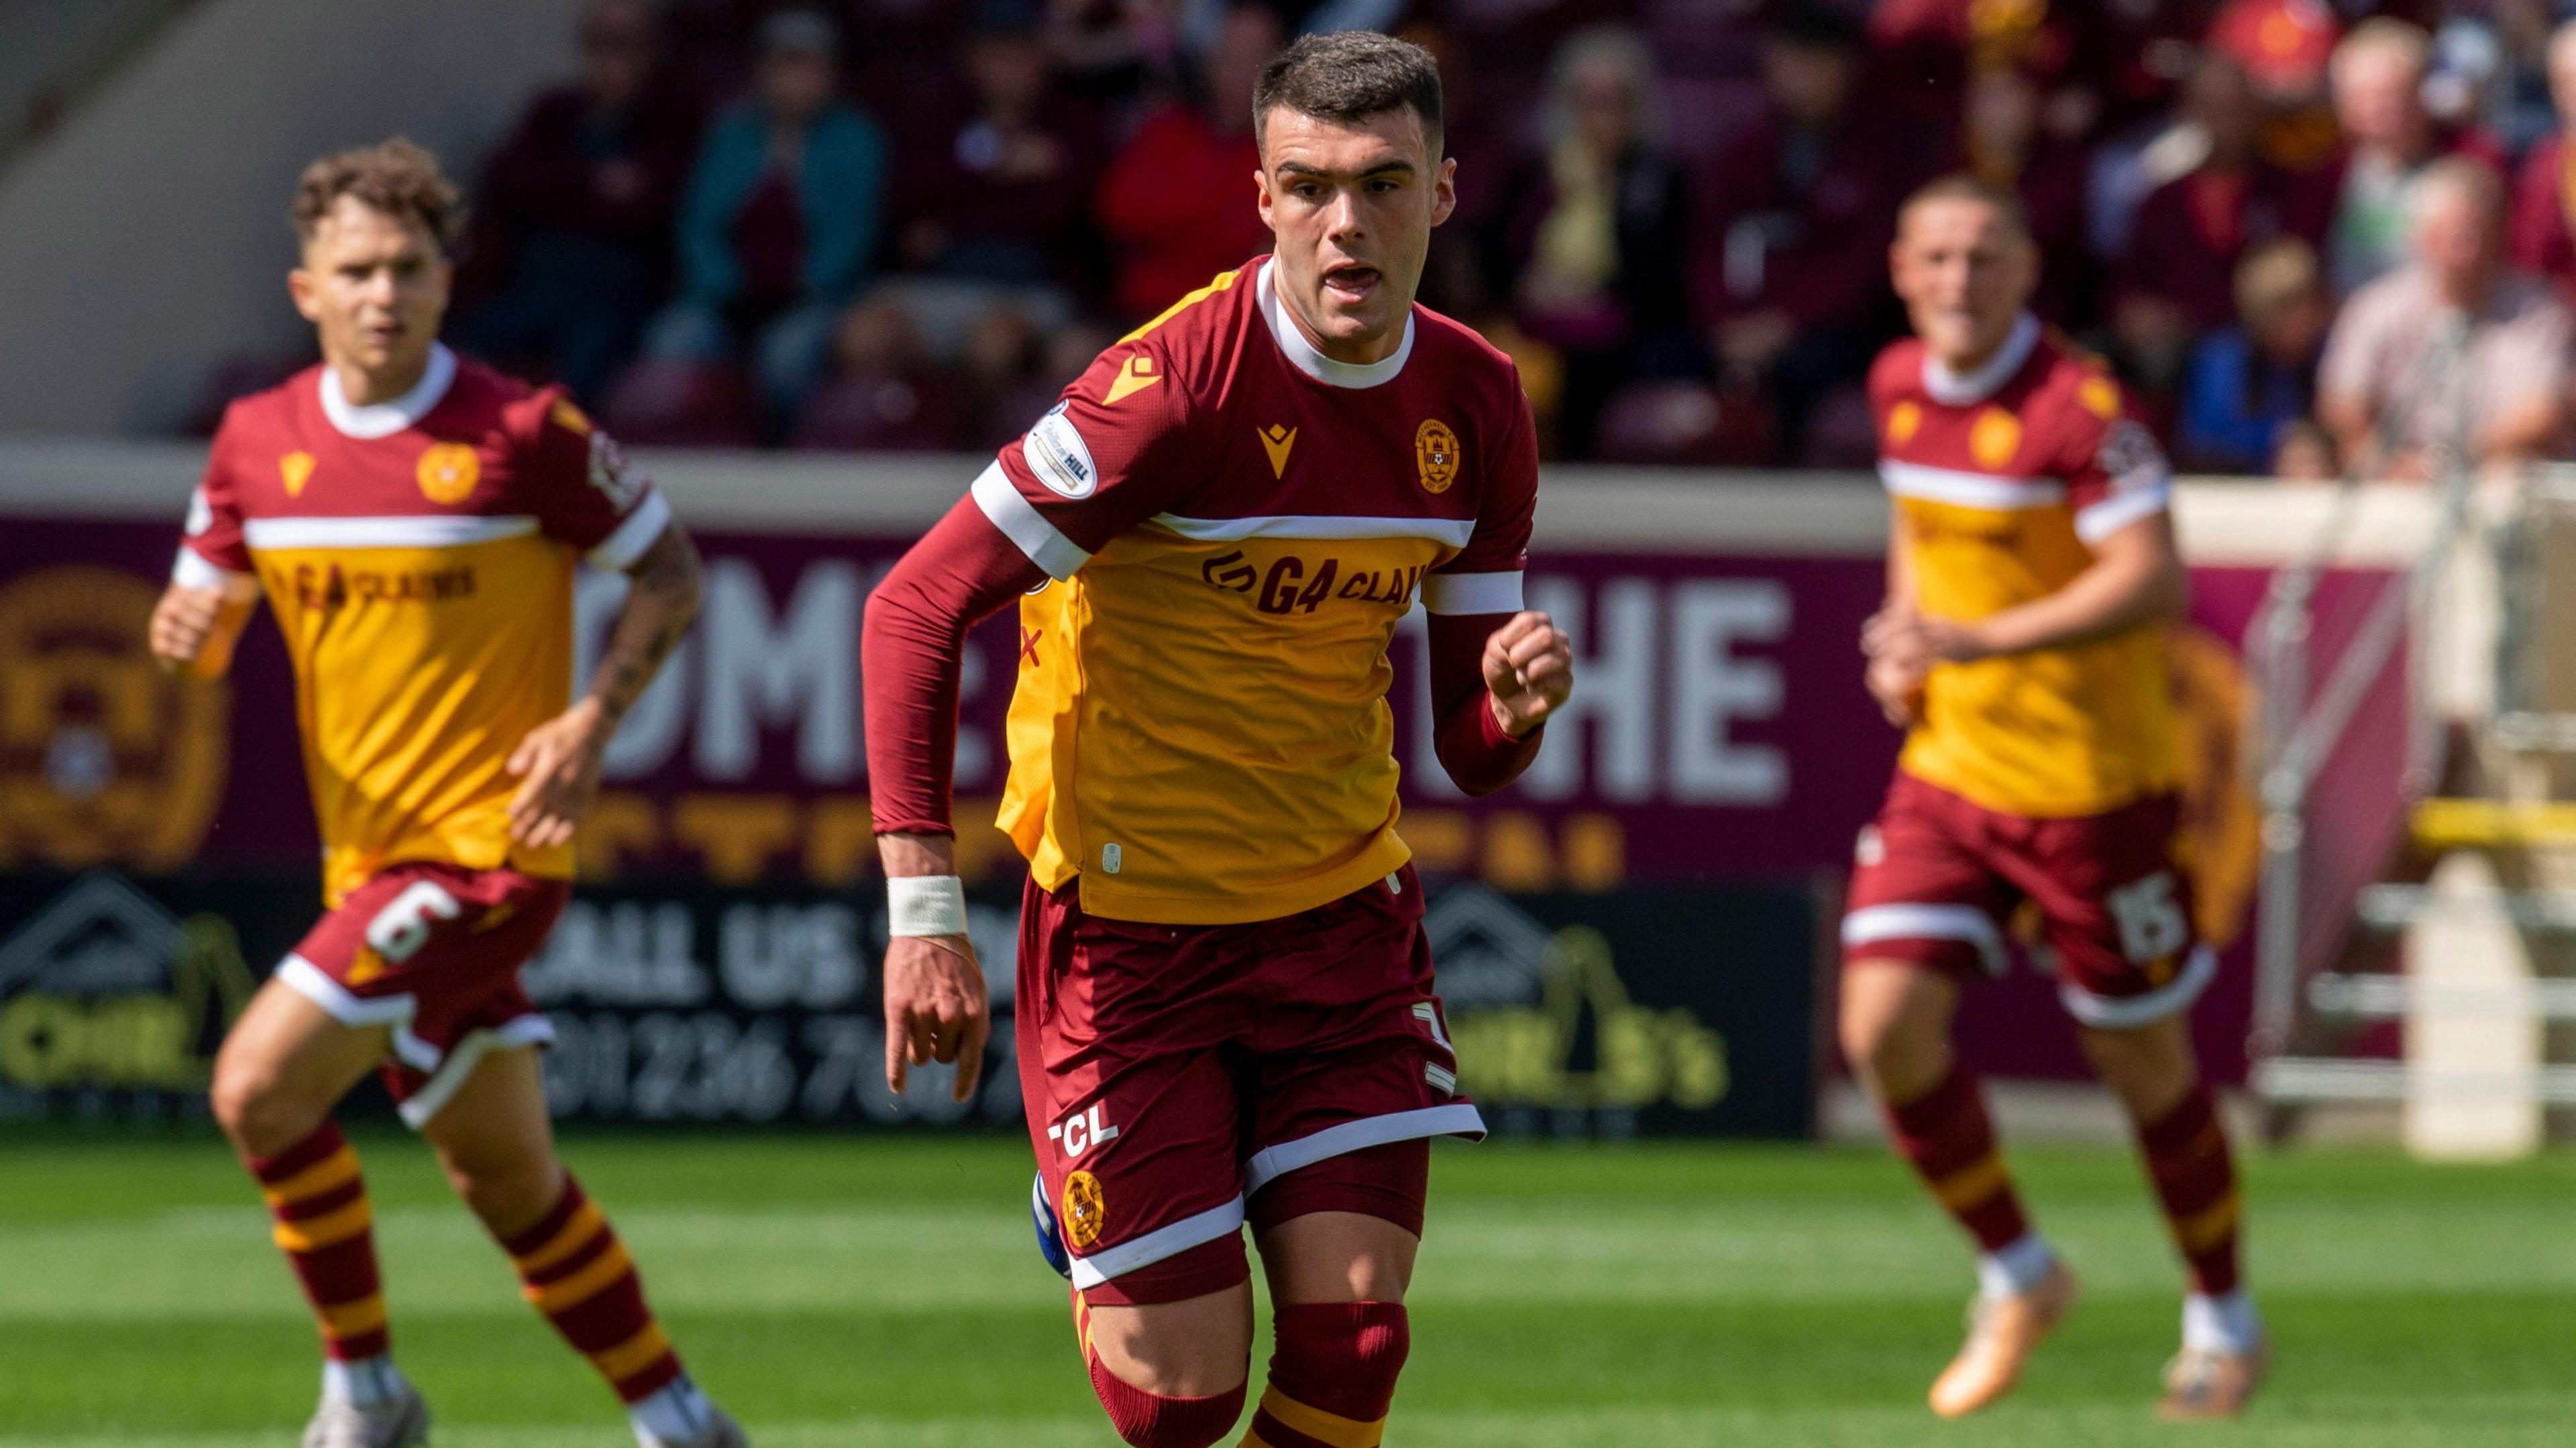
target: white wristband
<point>925,905</point>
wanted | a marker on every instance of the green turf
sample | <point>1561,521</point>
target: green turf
<point>860,1291</point>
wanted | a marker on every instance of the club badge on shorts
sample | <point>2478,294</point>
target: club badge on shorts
<point>1084,1211</point>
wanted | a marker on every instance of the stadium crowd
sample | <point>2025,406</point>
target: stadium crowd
<point>2313,237</point>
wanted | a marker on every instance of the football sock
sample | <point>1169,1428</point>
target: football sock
<point>1144,1420</point>
<point>1332,1375</point>
<point>2016,1269</point>
<point>676,1412</point>
<point>367,1382</point>
<point>2225,1323</point>
<point>2195,1179</point>
<point>1945,1134</point>
<point>577,1273</point>
<point>323,1224</point>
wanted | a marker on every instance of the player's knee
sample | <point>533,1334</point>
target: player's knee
<point>1895,1044</point>
<point>508,1196</point>
<point>1152,1420</point>
<point>250,1103</point>
<point>1341,1357</point>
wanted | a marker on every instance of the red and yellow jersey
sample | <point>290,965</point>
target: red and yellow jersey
<point>2003,480</point>
<point>1236,523</point>
<point>419,554</point>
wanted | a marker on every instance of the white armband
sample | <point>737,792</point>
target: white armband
<point>925,905</point>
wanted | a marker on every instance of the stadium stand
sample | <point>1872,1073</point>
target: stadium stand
<point>1672,211</point>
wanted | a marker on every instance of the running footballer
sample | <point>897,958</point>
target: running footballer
<point>1225,997</point>
<point>2031,570</point>
<point>414,520</point>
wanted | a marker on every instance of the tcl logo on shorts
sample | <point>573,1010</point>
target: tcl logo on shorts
<point>1082,1131</point>
<point>1292,585</point>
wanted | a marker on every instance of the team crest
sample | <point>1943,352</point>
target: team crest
<point>448,472</point>
<point>295,470</point>
<point>1995,438</point>
<point>1435,455</point>
<point>105,758</point>
<point>1084,1211</point>
<point>1903,420</point>
<point>2100,396</point>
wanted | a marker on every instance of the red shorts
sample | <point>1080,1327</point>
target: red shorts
<point>1174,1074</point>
<point>433,951</point>
<point>1937,878</point>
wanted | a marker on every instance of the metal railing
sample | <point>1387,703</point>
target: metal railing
<point>2296,732</point>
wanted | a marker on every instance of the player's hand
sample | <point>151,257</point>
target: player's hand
<point>558,769</point>
<point>182,622</point>
<point>1529,670</point>
<point>1898,688</point>
<point>1911,640</point>
<point>935,1009</point>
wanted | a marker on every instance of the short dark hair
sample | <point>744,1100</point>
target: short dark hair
<point>1961,186</point>
<point>1347,76</point>
<point>395,177</point>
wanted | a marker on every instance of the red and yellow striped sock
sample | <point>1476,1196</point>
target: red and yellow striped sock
<point>577,1273</point>
<point>2195,1177</point>
<point>1945,1134</point>
<point>324,1226</point>
<point>1332,1375</point>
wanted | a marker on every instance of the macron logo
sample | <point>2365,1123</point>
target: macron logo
<point>1134,376</point>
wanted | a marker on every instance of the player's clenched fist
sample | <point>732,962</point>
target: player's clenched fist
<point>935,1008</point>
<point>1529,669</point>
<point>182,622</point>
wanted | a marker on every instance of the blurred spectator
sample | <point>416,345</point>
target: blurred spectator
<point>2389,138</point>
<point>1599,232</point>
<point>570,250</point>
<point>2177,278</point>
<point>2450,350</point>
<point>885,395</point>
<point>782,216</point>
<point>1177,200</point>
<point>2544,238</point>
<point>2501,61</point>
<point>2002,143</point>
<point>995,186</point>
<point>2250,384</point>
<point>1795,221</point>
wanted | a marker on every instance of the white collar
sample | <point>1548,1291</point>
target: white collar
<point>384,419</point>
<point>1303,355</point>
<point>1957,389</point>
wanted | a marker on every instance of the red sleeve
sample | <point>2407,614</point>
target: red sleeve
<point>212,544</point>
<point>1114,450</point>
<point>2115,469</point>
<point>1479,757</point>
<point>1468,598</point>
<point>960,573</point>
<point>577,481</point>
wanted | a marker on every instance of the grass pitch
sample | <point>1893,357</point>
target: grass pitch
<point>864,1291</point>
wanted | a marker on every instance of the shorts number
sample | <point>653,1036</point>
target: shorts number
<point>403,927</point>
<point>2152,925</point>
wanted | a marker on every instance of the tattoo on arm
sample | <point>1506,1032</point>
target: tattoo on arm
<point>660,605</point>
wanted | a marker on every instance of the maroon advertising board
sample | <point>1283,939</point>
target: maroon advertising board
<point>1720,733</point>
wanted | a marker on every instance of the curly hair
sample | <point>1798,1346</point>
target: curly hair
<point>395,177</point>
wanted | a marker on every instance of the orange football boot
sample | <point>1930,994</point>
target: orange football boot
<point>2206,1382</point>
<point>2002,1333</point>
